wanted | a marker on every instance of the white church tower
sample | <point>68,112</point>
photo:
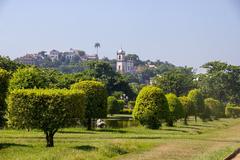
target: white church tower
<point>121,62</point>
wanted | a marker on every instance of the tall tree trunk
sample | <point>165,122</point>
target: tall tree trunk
<point>89,124</point>
<point>195,117</point>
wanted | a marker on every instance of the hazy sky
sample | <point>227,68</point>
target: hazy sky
<point>183,32</point>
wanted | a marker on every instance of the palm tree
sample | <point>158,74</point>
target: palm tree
<point>97,45</point>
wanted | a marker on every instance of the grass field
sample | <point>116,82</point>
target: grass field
<point>198,141</point>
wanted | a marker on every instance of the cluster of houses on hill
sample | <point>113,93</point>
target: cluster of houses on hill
<point>71,56</point>
<point>123,64</point>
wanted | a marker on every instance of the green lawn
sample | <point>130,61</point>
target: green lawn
<point>198,141</point>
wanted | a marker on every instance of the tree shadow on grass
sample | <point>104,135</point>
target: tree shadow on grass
<point>110,130</point>
<point>6,145</point>
<point>175,130</point>
<point>86,148</point>
<point>76,132</point>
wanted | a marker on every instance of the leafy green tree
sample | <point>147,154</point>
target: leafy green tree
<point>4,79</point>
<point>96,103</point>
<point>215,107</point>
<point>151,107</point>
<point>178,81</point>
<point>175,109</point>
<point>47,110</point>
<point>221,82</point>
<point>188,108</point>
<point>112,105</point>
<point>197,99</point>
<point>9,65</point>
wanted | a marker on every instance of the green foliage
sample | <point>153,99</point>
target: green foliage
<point>178,81</point>
<point>113,107</point>
<point>131,104</point>
<point>121,104</point>
<point>175,109</point>
<point>222,81</point>
<point>7,64</point>
<point>117,94</point>
<point>232,110</point>
<point>126,111</point>
<point>151,107</point>
<point>47,110</point>
<point>96,103</point>
<point>4,79</point>
<point>32,77</point>
<point>197,99</point>
<point>188,107</point>
<point>215,107</point>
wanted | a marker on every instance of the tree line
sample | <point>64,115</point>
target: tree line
<point>32,97</point>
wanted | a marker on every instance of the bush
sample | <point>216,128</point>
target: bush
<point>4,78</point>
<point>197,99</point>
<point>96,102</point>
<point>112,105</point>
<point>175,109</point>
<point>215,107</point>
<point>232,111</point>
<point>188,108</point>
<point>47,110</point>
<point>126,111</point>
<point>31,77</point>
<point>151,107</point>
<point>131,104</point>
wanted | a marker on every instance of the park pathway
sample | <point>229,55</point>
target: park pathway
<point>192,148</point>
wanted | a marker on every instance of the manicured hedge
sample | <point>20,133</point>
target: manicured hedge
<point>175,109</point>
<point>96,102</point>
<point>151,107</point>
<point>232,111</point>
<point>47,110</point>
<point>4,78</point>
<point>215,107</point>
<point>188,108</point>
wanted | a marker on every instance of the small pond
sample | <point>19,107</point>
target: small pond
<point>119,123</point>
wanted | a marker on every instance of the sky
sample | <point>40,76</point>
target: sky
<point>182,32</point>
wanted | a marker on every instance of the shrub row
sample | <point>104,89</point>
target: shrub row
<point>232,111</point>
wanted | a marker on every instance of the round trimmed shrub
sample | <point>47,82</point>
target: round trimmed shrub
<point>96,100</point>
<point>197,99</point>
<point>47,110</point>
<point>175,109</point>
<point>188,107</point>
<point>232,110</point>
<point>112,105</point>
<point>151,107</point>
<point>215,107</point>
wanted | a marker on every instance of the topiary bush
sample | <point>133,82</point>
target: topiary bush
<point>96,100</point>
<point>232,111</point>
<point>4,79</point>
<point>175,109</point>
<point>197,99</point>
<point>112,105</point>
<point>47,110</point>
<point>215,107</point>
<point>151,107</point>
<point>188,108</point>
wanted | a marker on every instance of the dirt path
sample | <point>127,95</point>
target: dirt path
<point>189,149</point>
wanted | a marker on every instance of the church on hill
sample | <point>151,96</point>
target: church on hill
<point>124,65</point>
